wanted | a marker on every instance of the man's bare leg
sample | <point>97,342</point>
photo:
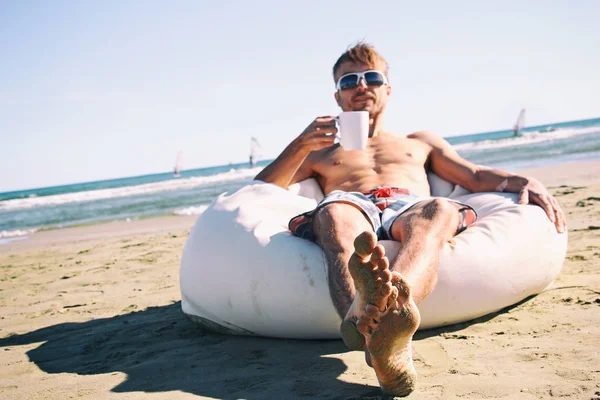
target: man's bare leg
<point>336,226</point>
<point>387,315</point>
<point>423,230</point>
<point>386,308</point>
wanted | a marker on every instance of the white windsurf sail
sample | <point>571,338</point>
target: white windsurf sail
<point>178,164</point>
<point>255,151</point>
<point>520,124</point>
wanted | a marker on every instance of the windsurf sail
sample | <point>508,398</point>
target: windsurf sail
<point>255,151</point>
<point>520,124</point>
<point>178,164</point>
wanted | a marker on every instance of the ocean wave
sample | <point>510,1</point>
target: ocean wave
<point>17,233</point>
<point>527,138</point>
<point>102,194</point>
<point>194,210</point>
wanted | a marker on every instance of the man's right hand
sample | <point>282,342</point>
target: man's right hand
<point>318,135</point>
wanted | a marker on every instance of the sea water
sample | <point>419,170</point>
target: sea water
<point>26,211</point>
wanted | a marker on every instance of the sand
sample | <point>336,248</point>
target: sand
<point>94,313</point>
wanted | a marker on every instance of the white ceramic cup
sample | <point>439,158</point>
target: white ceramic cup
<point>353,129</point>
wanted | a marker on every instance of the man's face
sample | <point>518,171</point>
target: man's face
<point>363,97</point>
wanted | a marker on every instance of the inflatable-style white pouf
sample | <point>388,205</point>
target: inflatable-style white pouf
<point>243,272</point>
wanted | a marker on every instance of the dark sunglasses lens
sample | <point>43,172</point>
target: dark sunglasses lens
<point>374,78</point>
<point>348,82</point>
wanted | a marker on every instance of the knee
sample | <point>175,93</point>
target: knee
<point>437,208</point>
<point>340,219</point>
<point>330,214</point>
<point>428,217</point>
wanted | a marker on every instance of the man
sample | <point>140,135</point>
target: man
<point>382,192</point>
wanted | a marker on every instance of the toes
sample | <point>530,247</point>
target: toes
<point>389,296</point>
<point>378,253</point>
<point>365,243</point>
<point>403,287</point>
<point>385,275</point>
<point>355,259</point>
<point>392,300</point>
<point>371,312</point>
<point>386,288</point>
<point>384,269</point>
<point>365,324</point>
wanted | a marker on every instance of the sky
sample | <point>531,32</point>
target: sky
<point>114,88</point>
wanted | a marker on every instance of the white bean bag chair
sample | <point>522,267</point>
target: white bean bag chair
<point>243,272</point>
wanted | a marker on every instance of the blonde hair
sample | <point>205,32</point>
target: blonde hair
<point>361,53</point>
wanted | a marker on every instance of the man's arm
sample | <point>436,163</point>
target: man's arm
<point>288,168</point>
<point>292,165</point>
<point>448,165</point>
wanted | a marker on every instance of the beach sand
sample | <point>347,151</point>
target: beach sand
<point>94,313</point>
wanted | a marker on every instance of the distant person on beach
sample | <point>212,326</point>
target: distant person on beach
<point>382,192</point>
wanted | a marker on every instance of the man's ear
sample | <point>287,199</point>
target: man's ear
<point>337,98</point>
<point>389,90</point>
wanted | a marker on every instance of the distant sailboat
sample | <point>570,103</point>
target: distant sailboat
<point>520,124</point>
<point>178,164</point>
<point>254,151</point>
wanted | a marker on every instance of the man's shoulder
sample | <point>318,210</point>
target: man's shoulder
<point>422,135</point>
<point>428,137</point>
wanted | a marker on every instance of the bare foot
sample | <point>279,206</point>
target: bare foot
<point>388,319</point>
<point>369,269</point>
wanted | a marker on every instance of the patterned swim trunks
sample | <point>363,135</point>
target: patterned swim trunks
<point>381,206</point>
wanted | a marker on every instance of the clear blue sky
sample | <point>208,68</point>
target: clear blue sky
<point>104,89</point>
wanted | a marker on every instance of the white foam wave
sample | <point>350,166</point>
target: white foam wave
<point>101,194</point>
<point>191,210</point>
<point>17,233</point>
<point>527,138</point>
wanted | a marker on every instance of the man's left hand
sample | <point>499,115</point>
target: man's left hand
<point>534,192</point>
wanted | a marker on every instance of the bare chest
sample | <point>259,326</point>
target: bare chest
<point>386,162</point>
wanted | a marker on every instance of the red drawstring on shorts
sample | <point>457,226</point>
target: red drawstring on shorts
<point>386,191</point>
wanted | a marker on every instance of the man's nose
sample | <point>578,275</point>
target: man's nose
<point>362,84</point>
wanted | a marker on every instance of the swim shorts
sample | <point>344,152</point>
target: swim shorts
<point>381,206</point>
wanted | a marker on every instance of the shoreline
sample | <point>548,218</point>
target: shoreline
<point>94,312</point>
<point>575,173</point>
<point>570,173</point>
<point>100,230</point>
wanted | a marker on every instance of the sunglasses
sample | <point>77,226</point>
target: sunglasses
<point>371,77</point>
